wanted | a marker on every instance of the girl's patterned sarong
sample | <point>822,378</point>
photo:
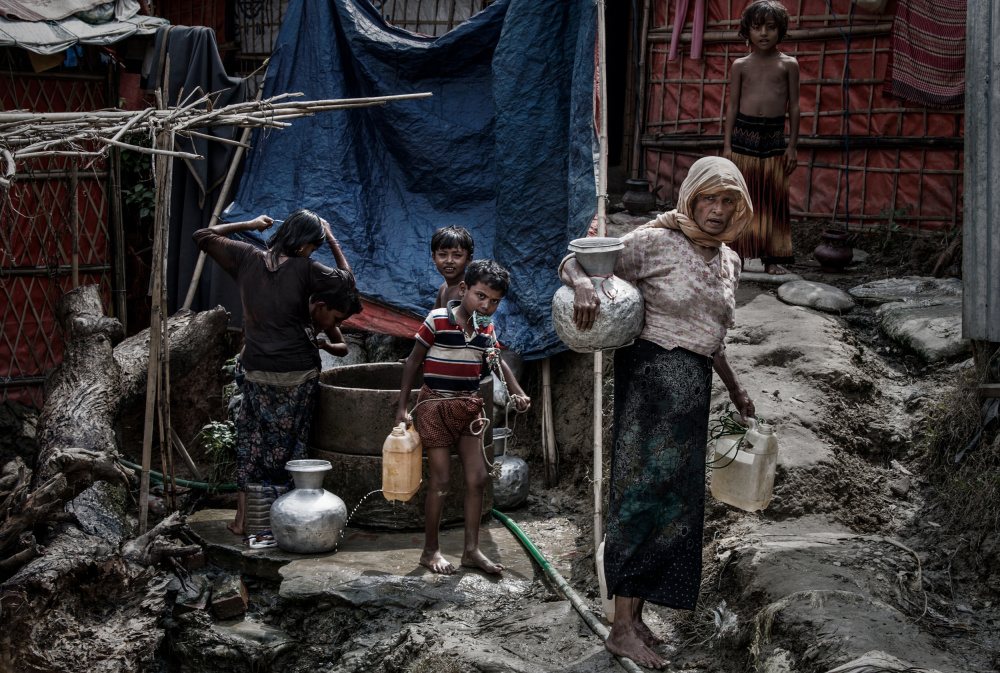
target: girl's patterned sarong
<point>758,150</point>
<point>272,428</point>
<point>657,491</point>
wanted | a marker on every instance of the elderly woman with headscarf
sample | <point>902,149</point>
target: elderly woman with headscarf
<point>663,385</point>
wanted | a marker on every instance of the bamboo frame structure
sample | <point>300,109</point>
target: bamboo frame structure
<point>907,157</point>
<point>25,135</point>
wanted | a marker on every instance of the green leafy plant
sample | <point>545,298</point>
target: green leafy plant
<point>143,198</point>
<point>219,441</point>
<point>137,177</point>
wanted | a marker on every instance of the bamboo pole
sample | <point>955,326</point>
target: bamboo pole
<point>602,200</point>
<point>74,207</point>
<point>640,83</point>
<point>185,455</point>
<point>156,312</point>
<point>549,450</point>
<point>794,35</point>
<point>220,203</point>
<point>166,429</point>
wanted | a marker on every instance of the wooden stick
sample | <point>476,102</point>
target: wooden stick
<point>155,321</point>
<point>74,184</point>
<point>549,447</point>
<point>185,455</point>
<point>602,187</point>
<point>794,35</point>
<point>150,150</point>
<point>640,115</point>
<point>220,203</point>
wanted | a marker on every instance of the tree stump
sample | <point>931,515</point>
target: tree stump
<point>75,601</point>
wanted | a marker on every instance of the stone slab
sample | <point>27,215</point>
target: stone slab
<point>768,278</point>
<point>381,569</point>
<point>932,329</point>
<point>227,550</point>
<point>908,288</point>
<point>368,553</point>
<point>819,296</point>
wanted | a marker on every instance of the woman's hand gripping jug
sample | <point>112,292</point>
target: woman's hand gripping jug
<point>402,455</point>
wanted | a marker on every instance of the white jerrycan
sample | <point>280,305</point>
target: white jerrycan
<point>743,474</point>
<point>608,603</point>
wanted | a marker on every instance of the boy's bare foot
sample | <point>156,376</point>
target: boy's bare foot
<point>436,562</point>
<point>236,528</point>
<point>775,269</point>
<point>477,559</point>
<point>627,643</point>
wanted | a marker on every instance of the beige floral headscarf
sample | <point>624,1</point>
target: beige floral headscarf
<point>708,175</point>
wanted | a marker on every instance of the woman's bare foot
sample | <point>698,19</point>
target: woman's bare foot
<point>477,559</point>
<point>626,642</point>
<point>646,634</point>
<point>775,269</point>
<point>436,562</point>
<point>236,527</point>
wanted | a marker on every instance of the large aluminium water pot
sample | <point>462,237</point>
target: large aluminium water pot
<point>308,519</point>
<point>622,313</point>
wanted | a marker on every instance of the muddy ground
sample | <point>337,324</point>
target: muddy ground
<point>850,558</point>
<point>847,561</point>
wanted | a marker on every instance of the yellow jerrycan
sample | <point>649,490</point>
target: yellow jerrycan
<point>743,474</point>
<point>402,453</point>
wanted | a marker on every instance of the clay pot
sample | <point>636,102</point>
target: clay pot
<point>833,253</point>
<point>638,200</point>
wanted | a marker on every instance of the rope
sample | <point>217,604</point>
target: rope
<point>493,361</point>
<point>610,295</point>
<point>723,426</point>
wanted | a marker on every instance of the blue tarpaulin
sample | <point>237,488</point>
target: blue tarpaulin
<point>504,148</point>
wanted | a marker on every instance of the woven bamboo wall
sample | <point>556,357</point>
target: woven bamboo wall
<point>36,233</point>
<point>918,181</point>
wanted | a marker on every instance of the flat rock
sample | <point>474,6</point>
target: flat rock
<point>931,328</point>
<point>819,578</point>
<point>228,551</point>
<point>815,295</point>
<point>909,288</point>
<point>768,278</point>
<point>381,569</point>
<point>784,356</point>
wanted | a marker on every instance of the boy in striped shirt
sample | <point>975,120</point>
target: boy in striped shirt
<point>451,345</point>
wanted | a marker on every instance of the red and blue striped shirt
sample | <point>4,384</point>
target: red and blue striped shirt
<point>453,363</point>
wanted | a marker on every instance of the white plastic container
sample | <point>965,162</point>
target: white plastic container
<point>744,477</point>
<point>608,603</point>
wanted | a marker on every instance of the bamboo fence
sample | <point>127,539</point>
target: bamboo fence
<point>905,161</point>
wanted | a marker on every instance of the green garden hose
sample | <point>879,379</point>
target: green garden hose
<point>156,476</point>
<point>592,621</point>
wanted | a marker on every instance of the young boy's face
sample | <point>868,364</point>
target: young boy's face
<point>324,318</point>
<point>451,262</point>
<point>764,35</point>
<point>481,299</point>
